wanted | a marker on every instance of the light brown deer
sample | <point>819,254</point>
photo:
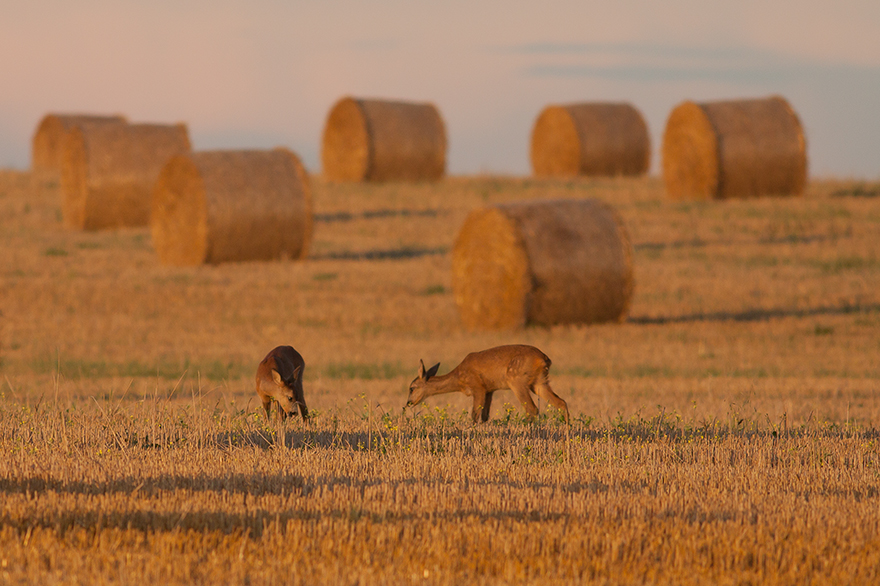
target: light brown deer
<point>279,380</point>
<point>522,369</point>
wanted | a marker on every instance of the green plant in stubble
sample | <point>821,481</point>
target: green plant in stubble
<point>78,368</point>
<point>364,371</point>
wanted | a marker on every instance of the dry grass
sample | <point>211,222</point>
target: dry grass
<point>204,493</point>
<point>724,434</point>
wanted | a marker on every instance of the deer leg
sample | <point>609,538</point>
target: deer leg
<point>521,390</point>
<point>480,399</point>
<point>487,403</point>
<point>543,390</point>
<point>267,405</point>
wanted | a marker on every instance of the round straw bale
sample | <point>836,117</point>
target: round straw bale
<point>108,172</point>
<point>378,140</point>
<point>217,206</point>
<point>47,141</point>
<point>742,148</point>
<point>542,262</point>
<point>596,139</point>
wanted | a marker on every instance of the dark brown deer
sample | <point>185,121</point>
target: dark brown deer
<point>522,369</point>
<point>279,380</point>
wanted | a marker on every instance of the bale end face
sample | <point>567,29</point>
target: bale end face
<point>490,272</point>
<point>690,154</point>
<point>555,147</point>
<point>345,146</point>
<point>74,181</point>
<point>179,216</point>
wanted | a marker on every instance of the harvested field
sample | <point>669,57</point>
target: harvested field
<point>726,432</point>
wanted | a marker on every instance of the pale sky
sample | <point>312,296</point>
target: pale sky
<point>264,73</point>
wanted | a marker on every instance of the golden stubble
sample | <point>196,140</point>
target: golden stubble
<point>722,434</point>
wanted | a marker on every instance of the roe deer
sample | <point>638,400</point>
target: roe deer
<point>279,379</point>
<point>519,368</point>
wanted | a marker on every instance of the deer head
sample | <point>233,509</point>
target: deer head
<point>419,387</point>
<point>286,397</point>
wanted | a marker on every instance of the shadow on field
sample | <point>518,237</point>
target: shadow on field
<point>302,439</point>
<point>150,487</point>
<point>257,485</point>
<point>752,315</point>
<point>700,243</point>
<point>392,254</point>
<point>859,190</point>
<point>254,524</point>
<point>376,214</point>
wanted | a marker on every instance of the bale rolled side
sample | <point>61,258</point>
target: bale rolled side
<point>378,140</point>
<point>597,139</point>
<point>46,146</point>
<point>743,148</point>
<point>219,206</point>
<point>108,172</point>
<point>544,263</point>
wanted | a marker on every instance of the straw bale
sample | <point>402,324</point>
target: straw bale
<point>218,206</point>
<point>48,138</point>
<point>743,148</point>
<point>542,262</point>
<point>108,172</point>
<point>598,139</point>
<point>379,140</point>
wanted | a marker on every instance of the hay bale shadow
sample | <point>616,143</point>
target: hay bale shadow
<point>754,315</point>
<point>382,213</point>
<point>406,252</point>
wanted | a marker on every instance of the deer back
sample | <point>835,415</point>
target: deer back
<point>497,365</point>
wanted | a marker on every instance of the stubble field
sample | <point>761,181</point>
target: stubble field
<point>725,433</point>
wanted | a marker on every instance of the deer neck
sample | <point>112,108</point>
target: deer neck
<point>446,383</point>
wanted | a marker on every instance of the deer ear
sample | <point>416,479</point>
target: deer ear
<point>432,371</point>
<point>296,372</point>
<point>421,369</point>
<point>277,378</point>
